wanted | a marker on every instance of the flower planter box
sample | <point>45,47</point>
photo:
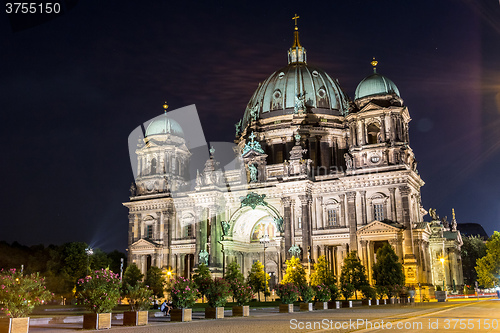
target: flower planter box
<point>96,321</point>
<point>347,304</point>
<point>403,300</point>
<point>382,301</point>
<point>306,306</point>
<point>181,314</point>
<point>214,313</point>
<point>14,325</point>
<point>321,306</point>
<point>440,296</point>
<point>393,301</point>
<point>334,305</point>
<point>286,308</point>
<point>366,302</point>
<point>375,302</point>
<point>135,318</point>
<point>241,311</point>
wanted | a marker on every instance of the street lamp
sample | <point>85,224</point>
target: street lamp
<point>444,273</point>
<point>264,240</point>
<point>89,251</point>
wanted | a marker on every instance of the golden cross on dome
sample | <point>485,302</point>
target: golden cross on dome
<point>295,18</point>
<point>374,63</point>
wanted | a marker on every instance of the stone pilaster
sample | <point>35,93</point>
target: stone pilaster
<point>363,207</point>
<point>392,194</point>
<point>306,224</point>
<point>409,255</point>
<point>131,224</point>
<point>287,220</point>
<point>351,218</point>
<point>200,235</point>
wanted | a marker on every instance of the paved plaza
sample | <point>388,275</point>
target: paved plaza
<point>454,316</point>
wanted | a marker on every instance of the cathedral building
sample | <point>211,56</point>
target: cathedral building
<point>317,174</point>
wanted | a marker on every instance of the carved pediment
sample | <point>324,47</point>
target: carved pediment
<point>143,244</point>
<point>379,227</point>
<point>371,106</point>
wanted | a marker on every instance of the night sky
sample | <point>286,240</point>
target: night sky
<point>73,88</point>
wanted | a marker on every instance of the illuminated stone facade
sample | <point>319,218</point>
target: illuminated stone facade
<point>317,172</point>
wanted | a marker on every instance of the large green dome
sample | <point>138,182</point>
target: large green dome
<point>163,125</point>
<point>375,85</point>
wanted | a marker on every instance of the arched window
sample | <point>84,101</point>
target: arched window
<point>373,132</point>
<point>378,203</point>
<point>332,214</point>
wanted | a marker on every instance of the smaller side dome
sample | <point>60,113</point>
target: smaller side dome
<point>375,85</point>
<point>163,125</point>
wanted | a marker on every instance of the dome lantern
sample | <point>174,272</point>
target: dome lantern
<point>297,53</point>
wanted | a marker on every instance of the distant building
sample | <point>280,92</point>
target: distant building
<point>321,175</point>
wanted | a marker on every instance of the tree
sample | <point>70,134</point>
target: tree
<point>156,281</point>
<point>257,278</point>
<point>115,260</point>
<point>234,276</point>
<point>202,278</point>
<point>472,249</point>
<point>295,273</point>
<point>322,274</point>
<point>353,272</point>
<point>488,267</point>
<point>388,271</point>
<point>132,276</point>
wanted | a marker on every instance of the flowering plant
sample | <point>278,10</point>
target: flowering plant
<point>20,293</point>
<point>100,291</point>
<point>139,297</point>
<point>322,293</point>
<point>287,292</point>
<point>217,292</point>
<point>242,292</point>
<point>347,290</point>
<point>184,293</point>
<point>307,293</point>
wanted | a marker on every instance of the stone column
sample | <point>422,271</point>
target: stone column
<point>200,244</point>
<point>382,129</point>
<point>363,207</point>
<point>392,195</point>
<point>306,224</point>
<point>371,260</point>
<point>320,222</point>
<point>408,232</point>
<point>213,235</point>
<point>364,253</point>
<point>131,223</point>
<point>341,254</point>
<point>351,218</point>
<point>343,220</point>
<point>287,221</point>
<point>218,234</point>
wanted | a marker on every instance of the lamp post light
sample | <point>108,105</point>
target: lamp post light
<point>89,251</point>
<point>264,240</point>
<point>121,269</point>
<point>444,274</point>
